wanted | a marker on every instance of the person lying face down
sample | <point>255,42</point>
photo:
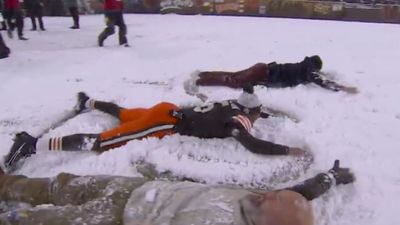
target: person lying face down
<point>108,200</point>
<point>272,75</point>
<point>231,118</point>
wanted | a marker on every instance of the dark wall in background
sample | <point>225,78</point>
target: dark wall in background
<point>334,10</point>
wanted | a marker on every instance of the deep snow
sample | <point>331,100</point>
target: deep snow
<point>40,79</point>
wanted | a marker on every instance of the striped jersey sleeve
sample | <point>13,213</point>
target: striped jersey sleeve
<point>244,121</point>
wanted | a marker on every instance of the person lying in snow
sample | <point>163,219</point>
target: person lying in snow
<point>271,75</point>
<point>109,200</point>
<point>231,118</point>
<point>4,50</point>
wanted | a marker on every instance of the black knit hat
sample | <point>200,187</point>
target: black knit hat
<point>316,61</point>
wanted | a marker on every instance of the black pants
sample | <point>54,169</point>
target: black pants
<point>114,19</point>
<point>252,75</point>
<point>36,12</point>
<point>4,50</point>
<point>15,19</point>
<point>75,15</point>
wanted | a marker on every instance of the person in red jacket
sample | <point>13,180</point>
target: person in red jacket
<point>114,16</point>
<point>14,17</point>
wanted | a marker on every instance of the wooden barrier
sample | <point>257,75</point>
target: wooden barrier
<point>331,10</point>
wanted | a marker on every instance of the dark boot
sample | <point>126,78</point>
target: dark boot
<point>24,146</point>
<point>80,106</point>
<point>253,75</point>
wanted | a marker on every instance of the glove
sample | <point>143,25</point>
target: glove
<point>350,90</point>
<point>297,152</point>
<point>341,175</point>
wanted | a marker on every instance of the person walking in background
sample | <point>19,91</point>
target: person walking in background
<point>4,50</point>
<point>14,18</point>
<point>113,10</point>
<point>72,6</point>
<point>35,10</point>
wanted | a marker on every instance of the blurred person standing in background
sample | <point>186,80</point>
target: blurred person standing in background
<point>14,18</point>
<point>72,6</point>
<point>34,9</point>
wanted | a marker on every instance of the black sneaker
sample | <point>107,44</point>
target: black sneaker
<point>23,147</point>
<point>81,101</point>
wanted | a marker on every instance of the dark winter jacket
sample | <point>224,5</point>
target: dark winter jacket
<point>292,74</point>
<point>304,72</point>
<point>11,5</point>
<point>222,120</point>
<point>113,5</point>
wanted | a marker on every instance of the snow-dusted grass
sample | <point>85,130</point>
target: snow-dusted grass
<point>40,80</point>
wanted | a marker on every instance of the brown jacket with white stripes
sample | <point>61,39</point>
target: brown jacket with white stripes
<point>222,120</point>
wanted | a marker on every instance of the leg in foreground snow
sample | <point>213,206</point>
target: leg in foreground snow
<point>68,198</point>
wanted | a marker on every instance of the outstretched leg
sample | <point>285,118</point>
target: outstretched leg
<point>67,197</point>
<point>84,103</point>
<point>253,75</point>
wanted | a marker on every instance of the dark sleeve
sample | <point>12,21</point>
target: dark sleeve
<point>256,145</point>
<point>313,187</point>
<point>322,81</point>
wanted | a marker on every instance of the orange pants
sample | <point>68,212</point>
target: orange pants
<point>139,123</point>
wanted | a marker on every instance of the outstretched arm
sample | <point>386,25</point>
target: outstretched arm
<point>321,80</point>
<point>321,183</point>
<point>263,147</point>
<point>258,146</point>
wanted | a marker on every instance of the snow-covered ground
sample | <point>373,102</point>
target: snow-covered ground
<point>40,79</point>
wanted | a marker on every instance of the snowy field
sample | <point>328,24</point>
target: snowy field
<point>41,78</point>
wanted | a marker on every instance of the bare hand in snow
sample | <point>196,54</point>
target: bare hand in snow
<point>350,90</point>
<point>298,152</point>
